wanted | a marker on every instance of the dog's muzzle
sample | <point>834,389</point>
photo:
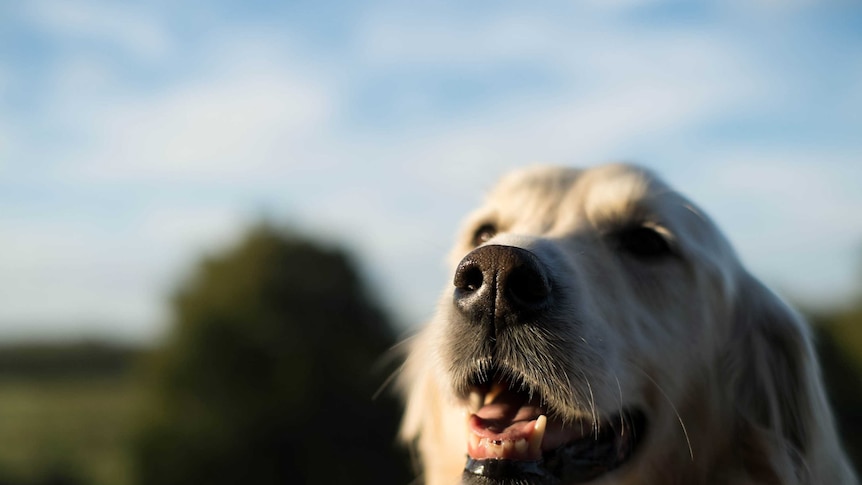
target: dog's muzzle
<point>506,298</point>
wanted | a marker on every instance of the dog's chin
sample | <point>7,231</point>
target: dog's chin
<point>514,437</point>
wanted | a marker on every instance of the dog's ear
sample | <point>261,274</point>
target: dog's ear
<point>772,365</point>
<point>777,392</point>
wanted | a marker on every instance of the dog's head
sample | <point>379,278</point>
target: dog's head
<point>587,323</point>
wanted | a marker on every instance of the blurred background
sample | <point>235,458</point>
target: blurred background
<point>216,217</point>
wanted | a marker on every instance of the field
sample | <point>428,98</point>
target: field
<point>71,430</point>
<point>67,411</point>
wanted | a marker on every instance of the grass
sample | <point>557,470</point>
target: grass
<point>76,427</point>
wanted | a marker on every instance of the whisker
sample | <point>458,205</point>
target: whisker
<point>387,382</point>
<point>622,419</point>
<point>678,417</point>
<point>592,406</point>
<point>396,352</point>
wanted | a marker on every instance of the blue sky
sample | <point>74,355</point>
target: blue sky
<point>136,136</point>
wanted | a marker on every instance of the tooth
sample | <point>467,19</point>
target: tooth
<point>505,448</point>
<point>522,447</point>
<point>494,448</point>
<point>473,442</point>
<point>537,436</point>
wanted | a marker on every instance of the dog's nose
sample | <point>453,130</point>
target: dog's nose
<point>503,282</point>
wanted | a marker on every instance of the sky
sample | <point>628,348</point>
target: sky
<point>136,137</point>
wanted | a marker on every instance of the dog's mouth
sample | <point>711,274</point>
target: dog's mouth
<point>513,435</point>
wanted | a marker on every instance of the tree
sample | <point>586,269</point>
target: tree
<point>839,345</point>
<point>267,375</point>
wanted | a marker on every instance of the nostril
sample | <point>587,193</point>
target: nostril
<point>468,277</point>
<point>527,287</point>
<point>501,285</point>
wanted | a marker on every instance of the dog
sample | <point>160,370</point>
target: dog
<point>599,328</point>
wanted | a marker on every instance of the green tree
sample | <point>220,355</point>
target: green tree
<point>268,374</point>
<point>839,345</point>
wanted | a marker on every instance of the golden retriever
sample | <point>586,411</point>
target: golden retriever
<point>599,328</point>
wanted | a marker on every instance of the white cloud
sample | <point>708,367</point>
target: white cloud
<point>83,80</point>
<point>129,27</point>
<point>774,7</point>
<point>238,123</point>
<point>622,5</point>
<point>405,38</point>
<point>5,144</point>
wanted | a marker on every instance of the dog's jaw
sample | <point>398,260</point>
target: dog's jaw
<point>511,433</point>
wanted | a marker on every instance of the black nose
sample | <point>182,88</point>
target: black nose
<point>505,284</point>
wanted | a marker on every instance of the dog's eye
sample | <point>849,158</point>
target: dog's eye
<point>484,234</point>
<point>644,243</point>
